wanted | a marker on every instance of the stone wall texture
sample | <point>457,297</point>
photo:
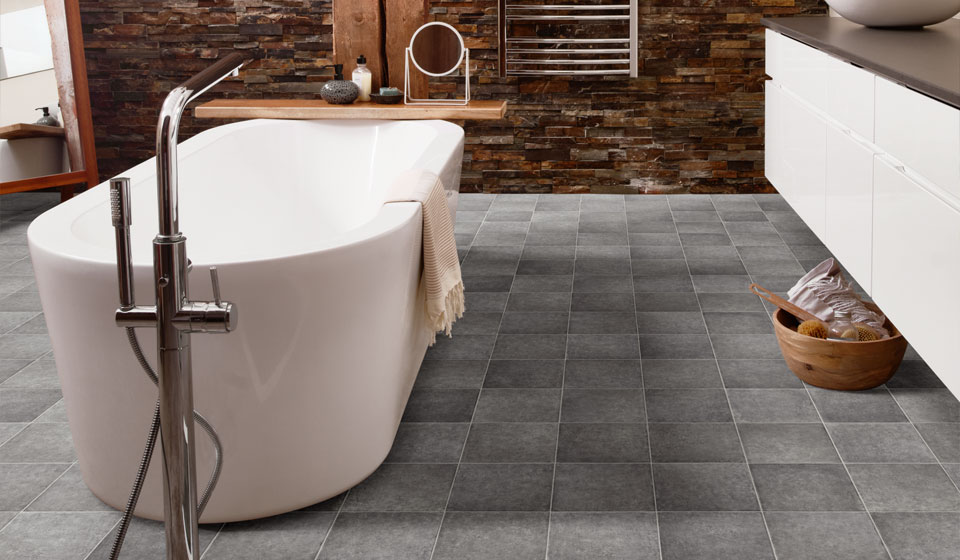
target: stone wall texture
<point>691,122</point>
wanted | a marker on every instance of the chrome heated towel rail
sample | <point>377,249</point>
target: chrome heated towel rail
<point>568,39</point>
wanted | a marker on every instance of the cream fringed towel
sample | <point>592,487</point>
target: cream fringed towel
<point>441,280</point>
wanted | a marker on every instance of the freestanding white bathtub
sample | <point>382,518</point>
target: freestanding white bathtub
<point>308,392</point>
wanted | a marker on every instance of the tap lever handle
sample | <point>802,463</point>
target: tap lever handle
<point>215,280</point>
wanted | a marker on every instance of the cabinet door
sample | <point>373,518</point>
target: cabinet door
<point>849,203</point>
<point>804,137</point>
<point>916,268</point>
<point>772,146</point>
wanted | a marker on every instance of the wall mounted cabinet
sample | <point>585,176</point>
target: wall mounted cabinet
<point>873,168</point>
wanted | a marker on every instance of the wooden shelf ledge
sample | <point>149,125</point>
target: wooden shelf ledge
<point>23,130</point>
<point>319,109</point>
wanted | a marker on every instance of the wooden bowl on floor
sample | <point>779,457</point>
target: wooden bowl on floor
<point>832,364</point>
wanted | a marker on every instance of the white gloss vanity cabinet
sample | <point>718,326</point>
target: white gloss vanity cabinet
<point>873,168</point>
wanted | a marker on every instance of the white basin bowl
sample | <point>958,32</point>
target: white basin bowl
<point>896,13</point>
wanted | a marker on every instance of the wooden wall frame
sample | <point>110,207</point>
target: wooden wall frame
<point>66,35</point>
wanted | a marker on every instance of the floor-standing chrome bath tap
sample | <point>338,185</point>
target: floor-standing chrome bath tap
<point>175,317</point>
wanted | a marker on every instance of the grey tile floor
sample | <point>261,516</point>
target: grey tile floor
<point>613,392</point>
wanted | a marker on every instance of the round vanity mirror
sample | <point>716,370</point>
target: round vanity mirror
<point>437,49</point>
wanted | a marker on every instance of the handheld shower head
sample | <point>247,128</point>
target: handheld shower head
<point>120,214</point>
<point>120,202</point>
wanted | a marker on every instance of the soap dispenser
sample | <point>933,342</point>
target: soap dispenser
<point>339,91</point>
<point>363,78</point>
<point>47,119</point>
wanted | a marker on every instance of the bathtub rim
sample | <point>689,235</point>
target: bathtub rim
<point>51,232</point>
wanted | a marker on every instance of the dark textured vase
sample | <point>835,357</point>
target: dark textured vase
<point>340,92</point>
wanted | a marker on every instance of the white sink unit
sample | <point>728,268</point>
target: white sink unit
<point>873,168</point>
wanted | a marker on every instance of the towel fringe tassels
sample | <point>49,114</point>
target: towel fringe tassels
<point>454,308</point>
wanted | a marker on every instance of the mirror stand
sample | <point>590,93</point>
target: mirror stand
<point>409,100</point>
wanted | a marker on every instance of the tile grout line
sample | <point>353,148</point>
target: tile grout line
<point>836,449</point>
<point>563,378</point>
<point>643,385</point>
<point>476,404</point>
<point>726,394</point>
<point>326,536</point>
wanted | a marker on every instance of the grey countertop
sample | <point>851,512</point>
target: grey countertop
<point>926,60</point>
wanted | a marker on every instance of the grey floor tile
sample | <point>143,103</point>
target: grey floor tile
<point>512,442</point>
<point>723,323</point>
<point>25,405</point>
<point>659,284</point>
<point>807,487</point>
<point>785,267</point>
<point>10,320</point>
<point>41,374</point>
<point>9,367</point>
<point>603,238</point>
<point>690,202</point>
<point>39,443</point>
<point>704,487</point>
<point>671,347</point>
<point>602,266</point>
<point>477,323</point>
<point>928,405</point>
<point>55,536</point>
<point>654,239</point>
<point>400,487</point>
<point>23,482</point>
<point>602,405</point>
<point>820,535</point>
<point>533,323</point>
<point>681,374</point>
<point>502,487</point>
<point>695,216</point>
<point>24,346</point>
<point>875,405</point>
<point>451,374</point>
<point>518,405</point>
<point>330,504</point>
<point>602,346</point>
<point>290,535</point>
<point>537,252</point>
<point>695,443</point>
<point>772,405</point>
<point>418,442</point>
<point>914,374</point>
<point>609,374</point>
<point>545,267</point>
<point>687,405</point>
<point>886,442</point>
<point>905,488</point>
<point>68,493</point>
<point>702,267</point>
<point>486,301</point>
<point>546,239</point>
<point>927,536</point>
<point>667,302</point>
<point>730,303</point>
<point>722,283</point>
<point>659,267</point>
<point>566,202</point>
<point>543,301</point>
<point>610,536</point>
<point>766,253</point>
<point>758,374</point>
<point>787,443</point>
<point>532,374</point>
<point>670,322</point>
<point>953,471</point>
<point>530,346</point>
<point>943,439</point>
<point>602,443</point>
<point>439,405</point>
<point>601,302</point>
<point>704,239</point>
<point>591,322</point>
<point>56,413</point>
<point>537,284</point>
<point>489,535</point>
<point>463,347</point>
<point>715,535</point>
<point>374,535</point>
<point>621,284</point>
<point>603,487</point>
<point>710,252</point>
<point>10,429</point>
<point>656,251</point>
<point>745,346</point>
